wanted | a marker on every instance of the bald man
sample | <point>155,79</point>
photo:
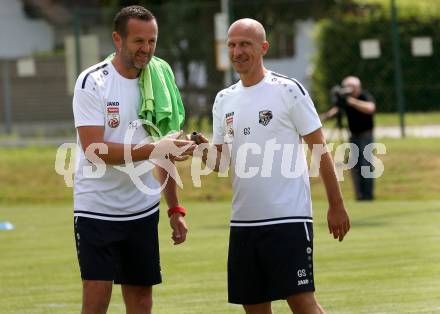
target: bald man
<point>359,107</point>
<point>260,122</point>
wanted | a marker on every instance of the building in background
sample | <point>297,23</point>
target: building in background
<point>39,75</point>
<point>20,35</point>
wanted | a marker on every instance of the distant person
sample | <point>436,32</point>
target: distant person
<point>359,107</point>
<point>115,222</point>
<point>271,231</point>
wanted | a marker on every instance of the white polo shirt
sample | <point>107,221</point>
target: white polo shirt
<point>263,124</point>
<point>103,97</point>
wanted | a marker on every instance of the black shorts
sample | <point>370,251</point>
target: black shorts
<point>268,263</point>
<point>125,252</point>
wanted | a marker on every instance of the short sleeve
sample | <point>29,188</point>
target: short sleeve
<point>218,129</point>
<point>87,109</point>
<point>304,115</point>
<point>367,96</point>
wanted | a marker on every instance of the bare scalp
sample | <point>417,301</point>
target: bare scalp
<point>249,26</point>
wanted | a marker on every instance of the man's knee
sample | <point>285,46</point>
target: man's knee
<point>96,296</point>
<point>138,298</point>
<point>262,308</point>
<point>304,303</point>
<point>146,302</point>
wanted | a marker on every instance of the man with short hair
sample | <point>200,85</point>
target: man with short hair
<point>261,121</point>
<point>359,107</point>
<point>115,221</point>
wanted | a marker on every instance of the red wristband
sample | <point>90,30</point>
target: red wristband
<point>177,209</point>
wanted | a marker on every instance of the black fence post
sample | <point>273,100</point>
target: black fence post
<point>398,77</point>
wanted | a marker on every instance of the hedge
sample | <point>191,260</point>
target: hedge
<point>338,55</point>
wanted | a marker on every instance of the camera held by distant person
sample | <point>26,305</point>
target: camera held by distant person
<point>339,94</point>
<point>359,107</point>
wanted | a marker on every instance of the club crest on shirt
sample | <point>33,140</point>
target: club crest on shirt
<point>113,116</point>
<point>264,117</point>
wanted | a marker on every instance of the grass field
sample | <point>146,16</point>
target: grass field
<point>381,119</point>
<point>204,124</point>
<point>411,166</point>
<point>392,119</point>
<point>411,119</point>
<point>387,264</point>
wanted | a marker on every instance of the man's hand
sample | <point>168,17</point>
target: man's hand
<point>201,138</point>
<point>177,223</point>
<point>170,147</point>
<point>338,221</point>
<point>351,101</point>
<point>180,158</point>
<point>367,107</point>
<point>337,217</point>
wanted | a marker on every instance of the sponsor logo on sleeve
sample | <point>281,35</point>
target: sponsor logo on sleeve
<point>229,120</point>
<point>113,118</point>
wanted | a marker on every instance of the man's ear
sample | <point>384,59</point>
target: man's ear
<point>117,40</point>
<point>264,48</point>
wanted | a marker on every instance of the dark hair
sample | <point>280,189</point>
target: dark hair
<point>133,11</point>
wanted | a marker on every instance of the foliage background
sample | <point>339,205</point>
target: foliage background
<point>338,53</point>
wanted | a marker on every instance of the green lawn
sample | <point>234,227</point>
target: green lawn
<point>393,119</point>
<point>411,168</point>
<point>410,119</point>
<point>387,264</point>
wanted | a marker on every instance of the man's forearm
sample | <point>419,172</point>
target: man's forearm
<point>328,175</point>
<point>117,153</point>
<point>326,167</point>
<point>367,107</point>
<point>207,161</point>
<point>170,189</point>
<point>329,114</point>
<point>99,151</point>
